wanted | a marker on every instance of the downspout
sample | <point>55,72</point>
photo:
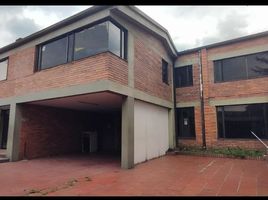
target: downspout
<point>202,100</point>
<point>175,104</point>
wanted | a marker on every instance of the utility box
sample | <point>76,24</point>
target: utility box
<point>89,141</point>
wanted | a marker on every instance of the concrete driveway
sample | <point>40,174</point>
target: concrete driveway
<point>76,175</point>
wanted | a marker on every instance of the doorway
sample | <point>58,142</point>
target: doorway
<point>4,121</point>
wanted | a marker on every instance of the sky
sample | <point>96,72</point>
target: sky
<point>188,26</point>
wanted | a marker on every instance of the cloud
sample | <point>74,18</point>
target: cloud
<point>21,21</point>
<point>21,27</point>
<point>233,25</point>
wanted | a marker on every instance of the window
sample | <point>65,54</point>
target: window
<point>82,43</point>
<point>237,121</point>
<point>3,69</point>
<point>91,41</point>
<point>53,53</point>
<point>184,76</point>
<point>242,67</point>
<point>185,117</point>
<point>164,71</point>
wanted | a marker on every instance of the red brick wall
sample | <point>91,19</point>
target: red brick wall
<point>22,79</point>
<point>148,71</point>
<point>218,91</point>
<point>49,131</point>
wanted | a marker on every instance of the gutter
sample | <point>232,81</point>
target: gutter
<point>175,109</point>
<point>203,130</point>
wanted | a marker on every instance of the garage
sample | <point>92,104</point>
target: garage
<point>83,124</point>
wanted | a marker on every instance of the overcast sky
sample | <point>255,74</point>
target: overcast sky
<point>189,26</point>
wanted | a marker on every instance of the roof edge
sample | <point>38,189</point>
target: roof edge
<point>64,22</point>
<point>225,42</point>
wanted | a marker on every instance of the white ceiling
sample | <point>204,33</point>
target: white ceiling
<point>102,101</point>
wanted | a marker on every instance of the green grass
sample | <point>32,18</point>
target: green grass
<point>225,151</point>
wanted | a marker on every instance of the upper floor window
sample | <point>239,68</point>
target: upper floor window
<point>242,67</point>
<point>53,53</point>
<point>237,121</point>
<point>3,69</point>
<point>164,71</point>
<point>184,76</point>
<point>82,43</point>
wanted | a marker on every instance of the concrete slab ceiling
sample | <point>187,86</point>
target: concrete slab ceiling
<point>102,101</point>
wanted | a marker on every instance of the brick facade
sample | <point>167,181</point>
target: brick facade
<point>22,79</point>
<point>47,131</point>
<point>219,91</point>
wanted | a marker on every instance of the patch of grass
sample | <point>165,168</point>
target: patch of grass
<point>225,151</point>
<point>88,178</point>
<point>71,182</point>
<point>34,191</point>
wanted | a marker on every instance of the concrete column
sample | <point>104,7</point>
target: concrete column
<point>171,129</point>
<point>127,146</point>
<point>130,57</point>
<point>13,132</point>
<point>1,127</point>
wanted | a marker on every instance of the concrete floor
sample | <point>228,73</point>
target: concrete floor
<point>76,175</point>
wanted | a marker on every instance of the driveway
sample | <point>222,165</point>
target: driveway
<point>76,175</point>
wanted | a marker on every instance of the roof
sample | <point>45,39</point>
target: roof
<point>226,42</point>
<point>81,15</point>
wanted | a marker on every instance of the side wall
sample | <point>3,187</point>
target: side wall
<point>49,131</point>
<point>225,93</point>
<point>150,131</point>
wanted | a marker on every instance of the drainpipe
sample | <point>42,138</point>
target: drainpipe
<point>202,100</point>
<point>175,110</point>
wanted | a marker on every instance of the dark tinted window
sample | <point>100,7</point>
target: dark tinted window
<point>114,39</point>
<point>91,41</point>
<point>234,69</point>
<point>184,76</point>
<point>186,123</point>
<point>257,64</point>
<point>164,71</point>
<point>80,44</point>
<point>243,67</point>
<point>237,121</point>
<point>53,53</point>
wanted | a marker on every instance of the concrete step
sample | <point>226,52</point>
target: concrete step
<point>2,160</point>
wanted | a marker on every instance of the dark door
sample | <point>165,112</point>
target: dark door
<point>5,120</point>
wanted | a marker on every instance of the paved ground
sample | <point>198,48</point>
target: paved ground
<point>168,175</point>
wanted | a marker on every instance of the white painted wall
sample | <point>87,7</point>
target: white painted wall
<point>150,131</point>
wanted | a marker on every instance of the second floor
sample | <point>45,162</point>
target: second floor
<point>102,46</point>
<point>231,70</point>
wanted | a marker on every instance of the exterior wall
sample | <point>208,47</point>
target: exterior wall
<point>148,54</point>
<point>22,79</point>
<point>231,92</point>
<point>150,131</point>
<point>49,131</point>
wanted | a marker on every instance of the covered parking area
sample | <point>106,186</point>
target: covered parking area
<point>79,124</point>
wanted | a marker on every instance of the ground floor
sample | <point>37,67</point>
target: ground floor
<point>90,123</point>
<point>224,122</point>
<point>176,175</point>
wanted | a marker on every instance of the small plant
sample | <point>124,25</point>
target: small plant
<point>71,182</point>
<point>34,191</point>
<point>88,178</point>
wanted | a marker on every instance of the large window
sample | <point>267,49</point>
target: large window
<point>82,43</point>
<point>164,71</point>
<point>237,121</point>
<point>184,76</point>
<point>53,53</point>
<point>185,117</point>
<point>242,67</point>
<point>3,69</point>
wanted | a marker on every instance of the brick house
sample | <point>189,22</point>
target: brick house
<point>114,72</point>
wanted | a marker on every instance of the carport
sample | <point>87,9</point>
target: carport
<point>81,124</point>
